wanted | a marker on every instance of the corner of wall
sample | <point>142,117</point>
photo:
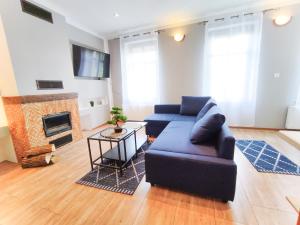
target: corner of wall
<point>8,84</point>
<point>109,83</point>
<point>3,119</point>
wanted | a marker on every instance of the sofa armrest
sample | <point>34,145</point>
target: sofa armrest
<point>165,109</point>
<point>225,143</point>
<point>211,176</point>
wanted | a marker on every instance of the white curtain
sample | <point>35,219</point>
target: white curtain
<point>139,75</point>
<point>232,49</point>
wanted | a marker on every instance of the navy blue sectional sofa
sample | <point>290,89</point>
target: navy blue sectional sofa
<point>174,161</point>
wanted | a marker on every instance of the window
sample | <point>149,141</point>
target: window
<point>140,76</point>
<point>232,50</point>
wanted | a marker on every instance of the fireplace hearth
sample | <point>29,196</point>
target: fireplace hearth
<point>36,120</point>
<point>57,123</point>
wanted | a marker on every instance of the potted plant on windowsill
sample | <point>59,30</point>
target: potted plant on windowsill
<point>117,116</point>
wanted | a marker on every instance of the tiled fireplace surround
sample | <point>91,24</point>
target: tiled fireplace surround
<point>24,115</point>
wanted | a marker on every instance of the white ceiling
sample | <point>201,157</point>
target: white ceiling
<point>97,16</point>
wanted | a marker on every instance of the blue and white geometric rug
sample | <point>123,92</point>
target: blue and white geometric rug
<point>267,159</point>
<point>110,179</point>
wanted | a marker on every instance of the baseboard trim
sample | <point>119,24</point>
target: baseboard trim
<point>256,128</point>
<point>291,129</point>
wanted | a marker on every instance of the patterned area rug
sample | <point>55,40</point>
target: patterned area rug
<point>110,179</point>
<point>267,159</point>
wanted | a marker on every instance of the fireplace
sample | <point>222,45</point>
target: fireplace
<point>57,123</point>
<point>29,119</point>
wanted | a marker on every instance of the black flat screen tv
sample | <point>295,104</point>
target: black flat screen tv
<point>90,64</point>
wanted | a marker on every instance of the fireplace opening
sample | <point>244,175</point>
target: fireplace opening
<point>57,123</point>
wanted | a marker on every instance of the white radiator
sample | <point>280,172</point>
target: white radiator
<point>293,118</point>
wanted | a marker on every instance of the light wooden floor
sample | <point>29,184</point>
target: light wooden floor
<point>293,137</point>
<point>50,196</point>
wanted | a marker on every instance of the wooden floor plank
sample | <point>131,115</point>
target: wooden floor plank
<point>267,216</point>
<point>239,211</point>
<point>193,210</point>
<point>50,195</point>
<point>159,207</point>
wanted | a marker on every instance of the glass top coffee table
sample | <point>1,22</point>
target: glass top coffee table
<point>123,146</point>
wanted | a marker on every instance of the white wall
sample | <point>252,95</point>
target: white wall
<point>280,53</point>
<point>41,50</point>
<point>96,88</point>
<point>115,69</point>
<point>180,62</point>
<point>8,86</point>
<point>6,146</point>
<point>38,49</point>
<point>32,49</point>
<point>3,120</point>
<point>181,66</point>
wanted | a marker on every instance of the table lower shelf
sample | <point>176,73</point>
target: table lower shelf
<point>113,154</point>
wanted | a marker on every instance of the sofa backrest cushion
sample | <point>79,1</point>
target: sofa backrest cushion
<point>208,126</point>
<point>191,105</point>
<point>167,108</point>
<point>205,109</point>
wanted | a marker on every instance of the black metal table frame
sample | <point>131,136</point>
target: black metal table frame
<point>120,163</point>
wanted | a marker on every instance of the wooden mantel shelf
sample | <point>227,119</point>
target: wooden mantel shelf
<point>25,99</point>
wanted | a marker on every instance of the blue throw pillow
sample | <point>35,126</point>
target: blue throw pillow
<point>206,128</point>
<point>204,110</point>
<point>192,105</point>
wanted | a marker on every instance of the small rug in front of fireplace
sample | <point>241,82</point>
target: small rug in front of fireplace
<point>267,159</point>
<point>110,179</point>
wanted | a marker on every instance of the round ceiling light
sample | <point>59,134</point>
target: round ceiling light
<point>179,37</point>
<point>282,20</point>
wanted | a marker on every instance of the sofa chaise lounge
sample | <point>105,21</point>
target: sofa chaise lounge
<point>174,161</point>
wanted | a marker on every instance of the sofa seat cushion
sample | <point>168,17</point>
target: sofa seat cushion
<point>160,117</point>
<point>176,138</point>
